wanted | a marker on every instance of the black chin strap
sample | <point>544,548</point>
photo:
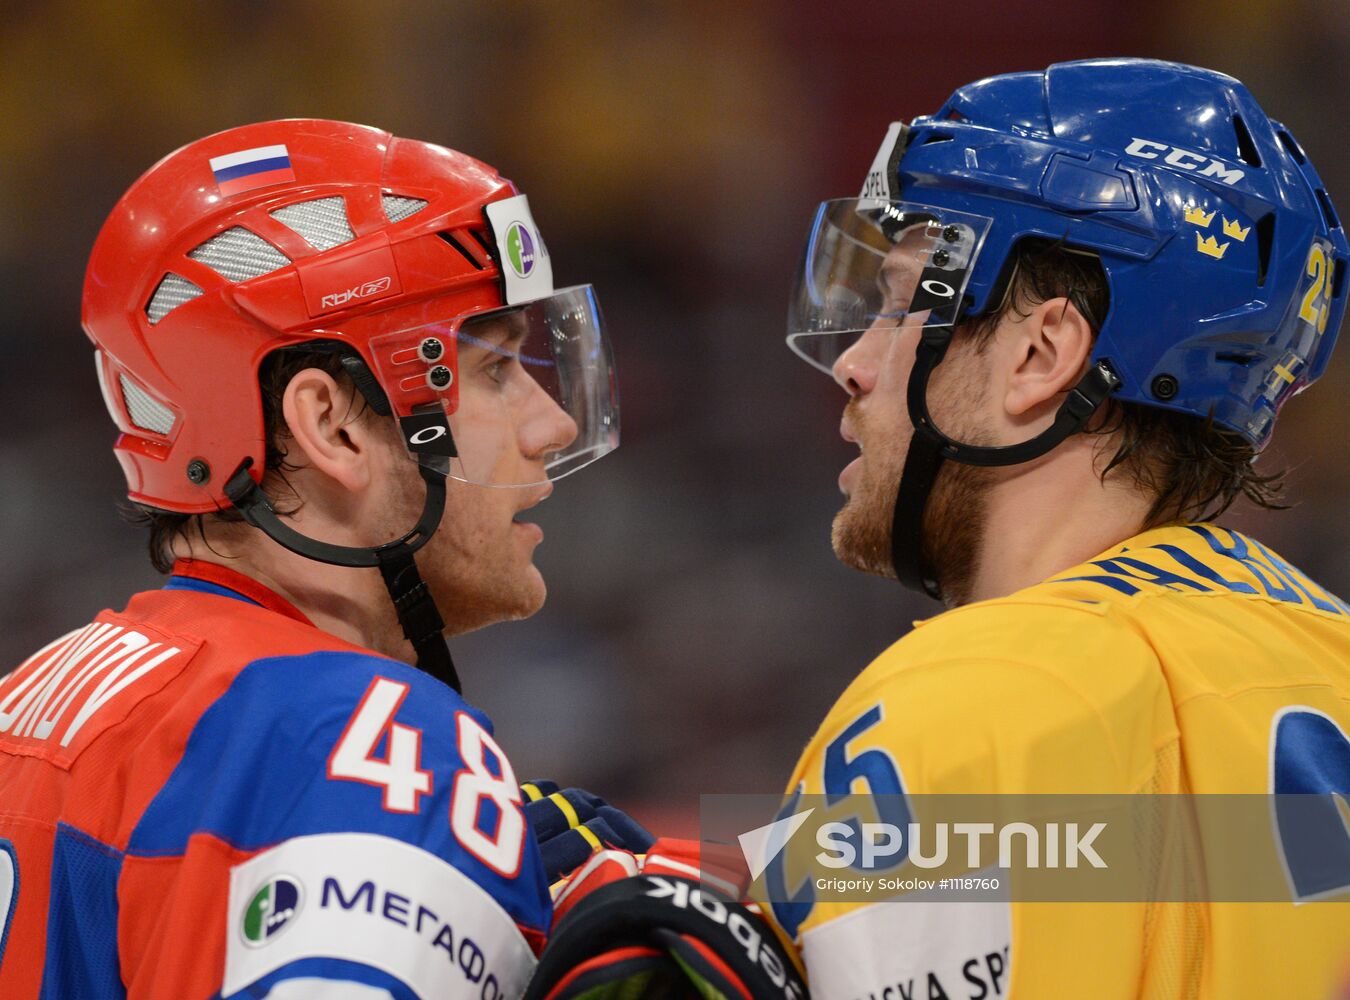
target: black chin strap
<point>929,448</point>
<point>417,614</point>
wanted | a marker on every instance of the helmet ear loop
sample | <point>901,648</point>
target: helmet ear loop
<point>929,447</point>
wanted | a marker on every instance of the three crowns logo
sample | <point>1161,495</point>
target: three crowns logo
<point>1195,214</point>
<point>1211,247</point>
<point>1208,245</point>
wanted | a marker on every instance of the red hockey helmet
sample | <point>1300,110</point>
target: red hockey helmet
<point>410,261</point>
<point>284,233</point>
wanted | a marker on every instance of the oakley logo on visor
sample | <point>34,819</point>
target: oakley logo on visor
<point>932,293</point>
<point>428,434</point>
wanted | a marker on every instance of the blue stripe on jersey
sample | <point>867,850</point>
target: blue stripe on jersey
<point>204,587</point>
<point>327,969</point>
<point>81,958</point>
<point>255,771</point>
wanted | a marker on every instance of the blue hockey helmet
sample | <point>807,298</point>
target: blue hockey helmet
<point>1224,257</point>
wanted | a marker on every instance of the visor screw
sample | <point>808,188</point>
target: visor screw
<point>941,258</point>
<point>951,234</point>
<point>431,349</point>
<point>1165,387</point>
<point>440,377</point>
<point>198,471</point>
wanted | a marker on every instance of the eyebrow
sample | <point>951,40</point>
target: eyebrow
<point>502,336</point>
<point>507,347</point>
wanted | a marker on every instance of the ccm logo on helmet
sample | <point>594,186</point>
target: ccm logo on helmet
<point>365,291</point>
<point>1149,150</point>
<point>682,894</point>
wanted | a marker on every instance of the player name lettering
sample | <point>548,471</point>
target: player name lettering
<point>875,186</point>
<point>66,683</point>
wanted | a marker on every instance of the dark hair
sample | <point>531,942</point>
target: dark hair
<point>275,373</point>
<point>1193,469</point>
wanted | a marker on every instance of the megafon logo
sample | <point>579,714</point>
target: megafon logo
<point>271,910</point>
<point>365,291</point>
<point>520,249</point>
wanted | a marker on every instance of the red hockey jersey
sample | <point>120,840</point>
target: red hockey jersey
<point>206,796</point>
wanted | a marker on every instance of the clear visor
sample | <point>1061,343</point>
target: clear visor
<point>872,264</point>
<point>518,396</point>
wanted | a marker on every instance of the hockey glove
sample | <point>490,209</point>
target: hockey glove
<point>626,928</point>
<point>572,824</point>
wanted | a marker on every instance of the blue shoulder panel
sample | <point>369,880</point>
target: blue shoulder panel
<point>255,771</point>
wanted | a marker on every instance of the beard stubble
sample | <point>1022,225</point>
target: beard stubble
<point>954,519</point>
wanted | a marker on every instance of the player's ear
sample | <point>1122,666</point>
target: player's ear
<point>320,415</point>
<point>1049,350</point>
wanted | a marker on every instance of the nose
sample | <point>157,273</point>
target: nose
<point>547,427</point>
<point>856,369</point>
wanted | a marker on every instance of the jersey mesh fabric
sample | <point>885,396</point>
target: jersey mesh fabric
<point>1174,932</point>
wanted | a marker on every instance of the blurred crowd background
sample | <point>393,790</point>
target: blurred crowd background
<point>698,626</point>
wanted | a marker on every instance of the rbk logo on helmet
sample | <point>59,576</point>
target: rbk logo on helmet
<point>369,289</point>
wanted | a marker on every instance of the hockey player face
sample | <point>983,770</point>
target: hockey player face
<point>479,564</point>
<point>875,372</point>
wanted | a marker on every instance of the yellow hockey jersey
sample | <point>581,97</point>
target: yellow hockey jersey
<point>1189,658</point>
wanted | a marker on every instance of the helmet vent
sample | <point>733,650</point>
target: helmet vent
<point>1291,144</point>
<point>145,412</point>
<point>1265,242</point>
<point>238,254</point>
<point>398,207</point>
<point>932,137</point>
<point>1246,148</point>
<point>459,248</point>
<point>482,241</point>
<point>171,292</point>
<point>321,221</point>
<point>1328,212</point>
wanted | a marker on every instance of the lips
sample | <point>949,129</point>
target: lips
<point>851,470</point>
<point>538,497</point>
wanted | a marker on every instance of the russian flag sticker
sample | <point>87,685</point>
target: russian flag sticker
<point>252,168</point>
